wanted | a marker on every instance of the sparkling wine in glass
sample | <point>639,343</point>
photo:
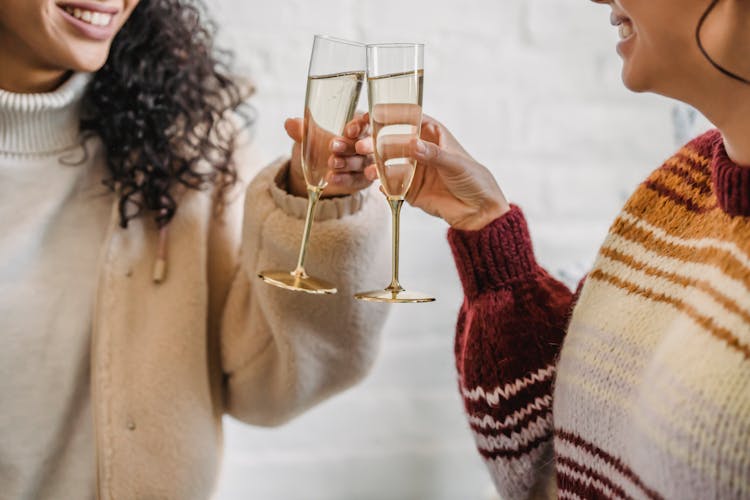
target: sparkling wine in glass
<point>335,77</point>
<point>394,82</point>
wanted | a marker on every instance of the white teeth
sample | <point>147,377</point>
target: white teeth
<point>625,30</point>
<point>91,17</point>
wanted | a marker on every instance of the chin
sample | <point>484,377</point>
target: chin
<point>88,61</point>
<point>634,80</point>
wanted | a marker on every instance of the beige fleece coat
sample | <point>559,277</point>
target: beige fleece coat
<point>170,359</point>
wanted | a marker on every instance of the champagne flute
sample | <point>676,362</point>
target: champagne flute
<point>335,76</point>
<point>394,83</point>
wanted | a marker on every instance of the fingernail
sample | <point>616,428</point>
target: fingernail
<point>420,148</point>
<point>335,179</point>
<point>338,146</point>
<point>352,129</point>
<point>339,163</point>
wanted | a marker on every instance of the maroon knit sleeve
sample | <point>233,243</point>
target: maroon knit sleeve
<point>510,330</point>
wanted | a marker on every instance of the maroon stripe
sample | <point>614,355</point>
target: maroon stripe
<point>578,487</point>
<point>702,169</point>
<point>677,198</point>
<point>533,415</point>
<point>703,187</point>
<point>521,451</point>
<point>694,165</point>
<point>615,462</point>
<point>588,471</point>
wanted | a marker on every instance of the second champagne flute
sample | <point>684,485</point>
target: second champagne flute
<point>394,83</point>
<point>337,70</point>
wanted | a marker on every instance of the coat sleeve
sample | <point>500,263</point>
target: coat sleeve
<point>281,351</point>
<point>509,334</point>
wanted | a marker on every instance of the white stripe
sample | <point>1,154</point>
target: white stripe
<point>594,462</point>
<point>568,495</point>
<point>588,480</point>
<point>509,390</point>
<point>688,242</point>
<point>698,300</point>
<point>540,427</point>
<point>731,288</point>
<point>514,477</point>
<point>511,420</point>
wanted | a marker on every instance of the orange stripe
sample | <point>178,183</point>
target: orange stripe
<point>682,223</point>
<point>690,177</point>
<point>728,263</point>
<point>704,321</point>
<point>701,285</point>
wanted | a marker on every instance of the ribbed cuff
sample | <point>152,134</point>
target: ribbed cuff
<point>494,256</point>
<point>328,208</point>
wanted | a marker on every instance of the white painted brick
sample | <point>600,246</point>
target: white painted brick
<point>532,89</point>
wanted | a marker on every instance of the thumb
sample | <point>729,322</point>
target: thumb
<point>431,154</point>
<point>293,128</point>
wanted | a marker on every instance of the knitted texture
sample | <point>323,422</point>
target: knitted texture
<point>651,393</point>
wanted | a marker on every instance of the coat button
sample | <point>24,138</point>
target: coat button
<point>131,425</point>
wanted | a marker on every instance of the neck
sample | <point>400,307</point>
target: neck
<point>732,117</point>
<point>737,143</point>
<point>726,102</point>
<point>22,74</point>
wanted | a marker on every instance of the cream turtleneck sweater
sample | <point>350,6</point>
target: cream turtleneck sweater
<point>53,216</point>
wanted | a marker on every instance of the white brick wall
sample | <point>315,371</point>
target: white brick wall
<point>532,89</point>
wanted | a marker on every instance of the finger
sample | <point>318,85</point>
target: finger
<point>293,127</point>
<point>342,146</point>
<point>348,164</point>
<point>364,146</point>
<point>428,153</point>
<point>389,114</point>
<point>371,172</point>
<point>354,127</point>
<point>394,146</point>
<point>348,181</point>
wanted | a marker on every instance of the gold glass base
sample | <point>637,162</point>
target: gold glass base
<point>296,283</point>
<point>394,297</point>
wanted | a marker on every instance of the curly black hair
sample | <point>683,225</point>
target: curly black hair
<point>159,104</point>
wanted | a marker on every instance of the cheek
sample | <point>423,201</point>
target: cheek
<point>128,8</point>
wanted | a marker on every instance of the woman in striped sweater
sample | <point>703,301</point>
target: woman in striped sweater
<point>638,384</point>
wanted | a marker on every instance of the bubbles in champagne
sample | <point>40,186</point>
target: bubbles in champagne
<point>329,105</point>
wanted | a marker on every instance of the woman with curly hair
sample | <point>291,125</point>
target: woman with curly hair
<point>134,215</point>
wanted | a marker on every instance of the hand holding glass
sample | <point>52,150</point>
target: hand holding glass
<point>394,82</point>
<point>335,76</point>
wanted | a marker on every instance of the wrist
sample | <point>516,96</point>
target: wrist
<point>482,217</point>
<point>294,182</point>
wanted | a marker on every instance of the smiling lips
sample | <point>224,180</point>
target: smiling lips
<point>624,25</point>
<point>91,20</point>
<point>89,16</point>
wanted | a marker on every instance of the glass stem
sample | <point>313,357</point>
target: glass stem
<point>395,204</point>
<point>313,195</point>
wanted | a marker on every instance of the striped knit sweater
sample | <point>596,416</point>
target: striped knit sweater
<point>638,385</point>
